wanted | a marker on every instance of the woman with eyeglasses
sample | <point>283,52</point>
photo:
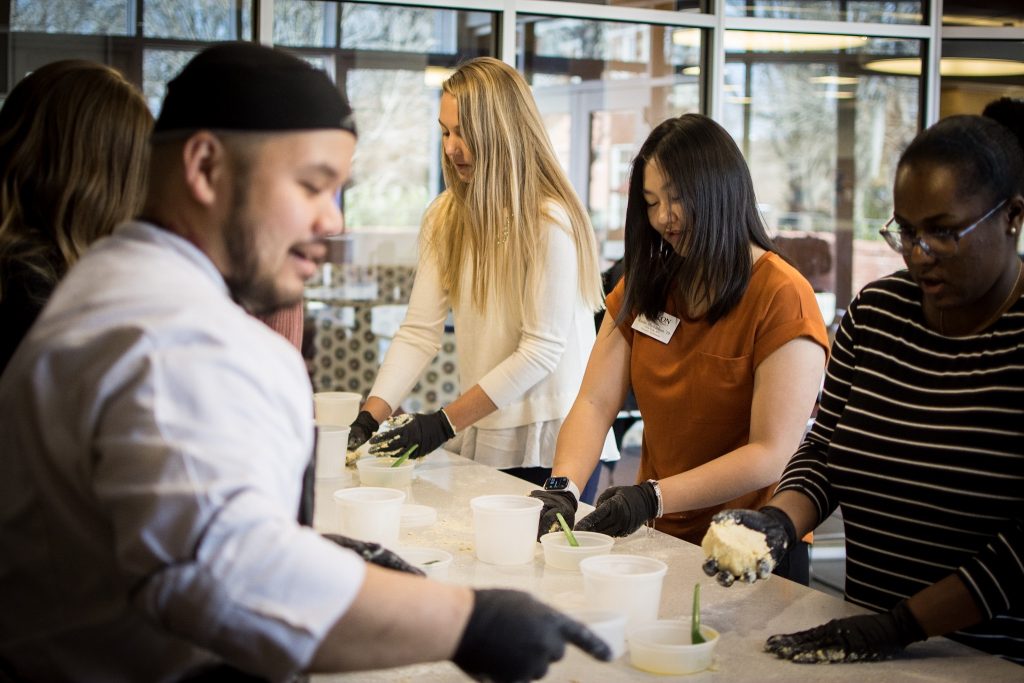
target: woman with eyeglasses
<point>921,426</point>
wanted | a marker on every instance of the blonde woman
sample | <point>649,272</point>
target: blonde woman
<point>73,154</point>
<point>508,248</point>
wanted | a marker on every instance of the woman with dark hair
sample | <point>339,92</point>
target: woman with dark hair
<point>918,437</point>
<point>73,156</point>
<point>720,339</point>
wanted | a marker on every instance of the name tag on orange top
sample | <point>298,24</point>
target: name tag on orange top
<point>662,328</point>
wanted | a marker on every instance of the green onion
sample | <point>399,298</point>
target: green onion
<point>695,635</point>
<point>568,532</point>
<point>404,456</point>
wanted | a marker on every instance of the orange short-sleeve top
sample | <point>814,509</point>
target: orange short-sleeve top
<point>696,390</point>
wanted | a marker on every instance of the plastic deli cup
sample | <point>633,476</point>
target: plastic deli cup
<point>505,528</point>
<point>381,472</point>
<point>432,561</point>
<point>331,446</point>
<point>630,584</point>
<point>338,408</point>
<point>370,514</point>
<point>560,555</point>
<point>608,625</point>
<point>665,647</point>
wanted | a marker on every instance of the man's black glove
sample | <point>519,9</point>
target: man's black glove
<point>621,510</point>
<point>427,430</point>
<point>555,501</point>
<point>361,429</point>
<point>864,638</point>
<point>375,554</point>
<point>513,637</point>
<point>779,535</point>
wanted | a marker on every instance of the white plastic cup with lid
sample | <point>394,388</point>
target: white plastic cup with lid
<point>505,528</point>
<point>369,513</point>
<point>338,408</point>
<point>331,447</point>
<point>630,584</point>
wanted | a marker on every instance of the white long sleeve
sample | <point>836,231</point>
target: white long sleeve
<point>530,368</point>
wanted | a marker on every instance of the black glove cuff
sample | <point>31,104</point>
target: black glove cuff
<point>783,520</point>
<point>365,420</point>
<point>555,496</point>
<point>446,424</point>
<point>910,630</point>
<point>650,498</point>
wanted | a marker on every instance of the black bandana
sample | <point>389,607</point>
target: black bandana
<point>249,87</point>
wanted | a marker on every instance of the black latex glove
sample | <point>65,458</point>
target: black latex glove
<point>375,554</point>
<point>779,535</point>
<point>513,637</point>
<point>427,430</point>
<point>621,510</point>
<point>555,501</point>
<point>360,431</point>
<point>864,638</point>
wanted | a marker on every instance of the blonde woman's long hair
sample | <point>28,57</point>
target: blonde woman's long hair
<point>73,164</point>
<point>494,220</point>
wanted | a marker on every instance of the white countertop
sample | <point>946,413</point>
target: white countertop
<point>745,615</point>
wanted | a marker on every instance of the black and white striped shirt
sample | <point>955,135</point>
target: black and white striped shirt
<point>920,440</point>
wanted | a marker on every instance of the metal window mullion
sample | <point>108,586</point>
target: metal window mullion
<point>507,46</point>
<point>986,33</point>
<point>714,70</point>
<point>930,66</point>
<point>265,22</point>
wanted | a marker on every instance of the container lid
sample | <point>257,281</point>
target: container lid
<point>417,516</point>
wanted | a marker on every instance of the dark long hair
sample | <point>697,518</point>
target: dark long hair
<point>987,155</point>
<point>73,156</point>
<point>720,220</point>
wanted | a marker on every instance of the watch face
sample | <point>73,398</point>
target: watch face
<point>556,484</point>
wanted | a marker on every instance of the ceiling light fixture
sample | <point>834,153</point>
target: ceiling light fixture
<point>964,67</point>
<point>835,80</point>
<point>761,41</point>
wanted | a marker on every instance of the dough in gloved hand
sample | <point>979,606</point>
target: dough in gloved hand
<point>737,548</point>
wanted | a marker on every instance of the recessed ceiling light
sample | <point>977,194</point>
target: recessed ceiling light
<point>965,67</point>
<point>762,41</point>
<point>835,80</point>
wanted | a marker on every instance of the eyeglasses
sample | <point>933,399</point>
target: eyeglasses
<point>940,244</point>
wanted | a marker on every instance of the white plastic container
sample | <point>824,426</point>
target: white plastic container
<point>560,555</point>
<point>608,625</point>
<point>664,647</point>
<point>434,562</point>
<point>630,584</point>
<point>379,472</point>
<point>338,408</point>
<point>331,446</point>
<point>505,528</point>
<point>370,513</point>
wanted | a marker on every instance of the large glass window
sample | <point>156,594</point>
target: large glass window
<point>876,11</point>
<point>601,87</point>
<point>391,61</point>
<point>822,134</point>
<point>206,20</point>
<point>988,14</point>
<point>975,72</point>
<point>100,17</point>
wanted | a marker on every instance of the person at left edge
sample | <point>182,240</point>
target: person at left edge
<point>155,435</point>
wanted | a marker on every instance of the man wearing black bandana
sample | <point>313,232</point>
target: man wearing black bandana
<point>155,435</point>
